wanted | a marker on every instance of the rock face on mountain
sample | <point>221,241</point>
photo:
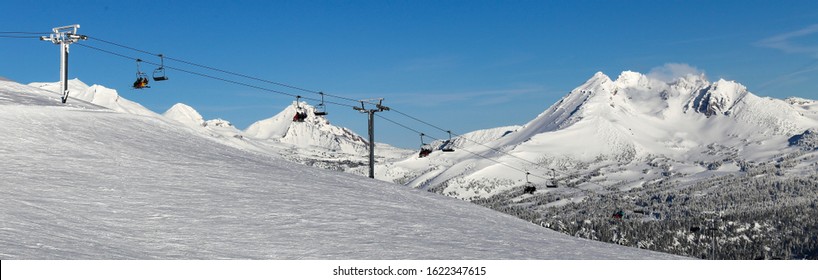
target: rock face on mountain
<point>808,140</point>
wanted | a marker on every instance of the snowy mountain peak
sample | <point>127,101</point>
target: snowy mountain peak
<point>718,98</point>
<point>314,131</point>
<point>184,114</point>
<point>596,82</point>
<point>218,123</point>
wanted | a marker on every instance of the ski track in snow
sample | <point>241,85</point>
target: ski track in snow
<point>80,182</point>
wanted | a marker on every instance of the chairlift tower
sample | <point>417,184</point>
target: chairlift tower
<point>64,36</point>
<point>371,112</point>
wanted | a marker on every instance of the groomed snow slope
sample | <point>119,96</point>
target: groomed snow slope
<point>82,182</point>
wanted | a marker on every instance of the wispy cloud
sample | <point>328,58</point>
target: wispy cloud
<point>791,77</point>
<point>670,72</point>
<point>786,42</point>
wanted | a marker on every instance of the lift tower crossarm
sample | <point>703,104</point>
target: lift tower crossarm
<point>64,36</point>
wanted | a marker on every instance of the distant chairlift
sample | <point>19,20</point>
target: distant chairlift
<point>529,188</point>
<point>141,79</point>
<point>425,149</point>
<point>159,73</point>
<point>447,146</point>
<point>300,115</point>
<point>553,182</point>
<point>321,109</point>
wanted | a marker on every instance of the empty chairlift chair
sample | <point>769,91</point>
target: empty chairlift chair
<point>553,182</point>
<point>159,73</point>
<point>321,109</point>
<point>448,145</point>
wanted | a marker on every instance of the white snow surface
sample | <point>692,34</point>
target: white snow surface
<point>185,114</point>
<point>85,182</point>
<point>98,95</point>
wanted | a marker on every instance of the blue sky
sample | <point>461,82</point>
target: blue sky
<point>461,65</point>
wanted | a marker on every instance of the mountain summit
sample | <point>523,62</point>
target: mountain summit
<point>313,132</point>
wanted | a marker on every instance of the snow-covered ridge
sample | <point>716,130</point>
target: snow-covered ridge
<point>184,114</point>
<point>98,95</point>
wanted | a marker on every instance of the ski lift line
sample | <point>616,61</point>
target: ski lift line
<point>491,159</point>
<point>279,92</point>
<point>19,36</point>
<point>208,76</point>
<point>462,149</point>
<point>482,144</point>
<point>227,72</point>
<point>306,98</point>
<point>235,73</point>
<point>23,32</point>
<point>294,95</point>
<point>401,125</point>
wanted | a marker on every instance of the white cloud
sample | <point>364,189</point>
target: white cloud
<point>785,42</point>
<point>672,71</point>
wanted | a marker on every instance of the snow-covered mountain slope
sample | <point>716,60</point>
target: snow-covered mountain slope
<point>98,95</point>
<point>82,182</point>
<point>627,123</point>
<point>185,114</point>
<point>636,114</point>
<point>218,129</point>
<point>475,138</point>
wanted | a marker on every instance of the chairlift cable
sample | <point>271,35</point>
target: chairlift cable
<point>462,149</point>
<point>23,32</point>
<point>225,71</point>
<point>207,76</point>
<point>19,36</point>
